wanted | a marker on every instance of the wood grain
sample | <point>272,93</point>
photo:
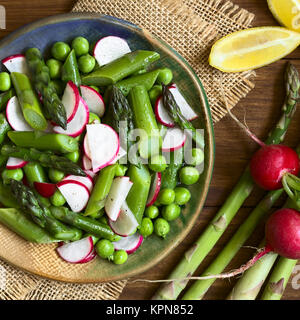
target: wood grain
<point>233,149</point>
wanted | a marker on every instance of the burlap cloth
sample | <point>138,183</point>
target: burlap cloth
<point>190,27</point>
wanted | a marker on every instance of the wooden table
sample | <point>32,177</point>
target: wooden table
<point>233,149</point>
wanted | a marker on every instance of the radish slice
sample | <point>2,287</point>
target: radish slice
<point>109,49</point>
<point>126,223</point>
<point>70,100</point>
<point>77,251</point>
<point>77,125</point>
<point>117,195</point>
<point>15,116</point>
<point>15,163</point>
<point>129,244</point>
<point>16,63</point>
<point>104,145</point>
<point>76,194</point>
<point>90,257</point>
<point>120,155</point>
<point>93,99</point>
<point>162,114</point>
<point>86,148</point>
<point>86,163</point>
<point>87,181</point>
<point>90,173</point>
<point>173,140</point>
<point>154,190</point>
<point>45,189</point>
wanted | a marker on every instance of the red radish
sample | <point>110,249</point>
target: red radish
<point>15,163</point>
<point>70,100</point>
<point>89,258</point>
<point>116,196</point>
<point>87,181</point>
<point>90,173</point>
<point>155,188</point>
<point>86,147</point>
<point>16,63</point>
<point>120,155</point>
<point>270,163</point>
<point>130,244</point>
<point>77,125</point>
<point>77,251</point>
<point>104,145</point>
<point>86,163</point>
<point>45,189</point>
<point>126,223</point>
<point>109,49</point>
<point>173,140</point>
<point>93,99</point>
<point>15,116</point>
<point>76,194</point>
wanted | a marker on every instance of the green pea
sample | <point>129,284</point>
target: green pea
<point>188,175</point>
<point>59,86</point>
<point>152,212</point>
<point>120,170</point>
<point>5,82</point>
<point>161,227</point>
<point>73,156</point>
<point>55,175</point>
<point>55,67</point>
<point>57,199</point>
<point>165,76</point>
<point>95,88</point>
<point>166,196</point>
<point>12,174</point>
<point>171,212</point>
<point>154,93</point>
<point>120,257</point>
<point>60,50</point>
<point>105,248</point>
<point>86,63</point>
<point>158,163</point>
<point>94,119</point>
<point>81,46</point>
<point>182,195</point>
<point>146,228</point>
<point>197,157</point>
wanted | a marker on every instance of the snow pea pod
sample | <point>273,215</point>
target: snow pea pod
<point>169,177</point>
<point>5,96</point>
<point>34,172</point>
<point>70,71</point>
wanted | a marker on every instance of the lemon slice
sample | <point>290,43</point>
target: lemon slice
<point>252,48</point>
<point>287,13</point>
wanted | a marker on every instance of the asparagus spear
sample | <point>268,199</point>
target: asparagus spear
<point>195,255</point>
<point>46,159</point>
<point>53,105</point>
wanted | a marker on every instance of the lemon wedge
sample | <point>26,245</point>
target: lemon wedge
<point>287,13</point>
<point>252,48</point>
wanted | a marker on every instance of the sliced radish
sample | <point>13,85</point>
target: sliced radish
<point>90,173</point>
<point>86,163</point>
<point>104,145</point>
<point>15,163</point>
<point>93,99</point>
<point>76,194</point>
<point>155,188</point>
<point>117,195</point>
<point>86,147</point>
<point>15,116</point>
<point>109,49</point>
<point>87,181</point>
<point>173,140</point>
<point>129,244</point>
<point>77,125</point>
<point>70,100</point>
<point>162,114</point>
<point>90,257</point>
<point>45,189</point>
<point>126,223</point>
<point>77,251</point>
<point>120,155</point>
<point>16,63</point>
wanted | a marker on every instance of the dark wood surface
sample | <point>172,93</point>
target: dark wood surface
<point>233,149</point>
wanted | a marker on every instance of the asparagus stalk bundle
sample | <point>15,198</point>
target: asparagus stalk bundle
<point>196,254</point>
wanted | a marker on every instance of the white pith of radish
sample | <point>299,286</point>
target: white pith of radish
<point>120,155</point>
<point>103,143</point>
<point>16,63</point>
<point>173,140</point>
<point>93,99</point>
<point>76,194</point>
<point>70,100</point>
<point>15,116</point>
<point>86,163</point>
<point>126,224</point>
<point>77,251</point>
<point>109,49</point>
<point>77,125</point>
<point>186,110</point>
<point>87,181</point>
<point>15,163</point>
<point>45,189</point>
<point>130,244</point>
<point>116,196</point>
<point>154,190</point>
